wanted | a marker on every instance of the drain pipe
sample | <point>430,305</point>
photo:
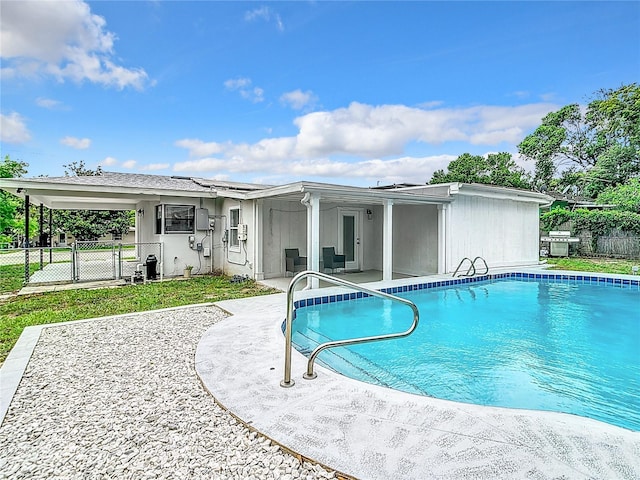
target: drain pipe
<point>306,201</point>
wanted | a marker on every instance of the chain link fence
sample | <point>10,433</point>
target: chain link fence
<point>80,262</point>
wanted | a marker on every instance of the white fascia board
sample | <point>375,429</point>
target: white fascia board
<point>347,193</point>
<point>235,194</point>
<point>12,185</point>
<point>503,193</point>
<point>276,191</point>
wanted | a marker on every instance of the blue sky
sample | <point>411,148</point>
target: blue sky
<point>358,93</point>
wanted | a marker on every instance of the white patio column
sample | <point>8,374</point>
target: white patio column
<point>442,238</point>
<point>312,202</point>
<point>258,267</point>
<point>387,240</point>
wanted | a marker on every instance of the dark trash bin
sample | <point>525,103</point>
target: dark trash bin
<point>151,263</point>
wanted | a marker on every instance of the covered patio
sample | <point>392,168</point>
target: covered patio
<point>382,234</point>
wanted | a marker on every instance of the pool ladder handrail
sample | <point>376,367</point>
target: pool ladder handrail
<point>310,374</point>
<point>471,267</point>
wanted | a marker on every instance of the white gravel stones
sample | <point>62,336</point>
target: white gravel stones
<point>119,398</point>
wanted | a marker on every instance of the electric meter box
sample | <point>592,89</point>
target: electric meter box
<point>202,219</point>
<point>242,232</point>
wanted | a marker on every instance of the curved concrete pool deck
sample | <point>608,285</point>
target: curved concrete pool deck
<point>372,432</point>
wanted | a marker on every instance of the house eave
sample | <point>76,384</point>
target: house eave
<point>340,193</point>
<point>59,195</point>
<point>497,192</point>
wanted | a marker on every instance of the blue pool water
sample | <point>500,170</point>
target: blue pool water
<point>562,346</point>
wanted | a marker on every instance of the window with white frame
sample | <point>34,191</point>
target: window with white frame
<point>234,220</point>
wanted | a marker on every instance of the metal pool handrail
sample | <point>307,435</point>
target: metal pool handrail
<point>471,267</point>
<point>287,381</point>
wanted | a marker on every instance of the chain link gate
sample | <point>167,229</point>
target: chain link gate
<point>93,261</point>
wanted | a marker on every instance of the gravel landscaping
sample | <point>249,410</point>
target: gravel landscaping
<point>119,398</point>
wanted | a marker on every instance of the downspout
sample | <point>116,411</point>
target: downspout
<point>312,282</point>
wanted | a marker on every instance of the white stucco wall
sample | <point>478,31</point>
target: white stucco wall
<point>372,238</point>
<point>284,226</point>
<point>176,251</point>
<point>503,232</point>
<point>240,260</point>
<point>415,239</point>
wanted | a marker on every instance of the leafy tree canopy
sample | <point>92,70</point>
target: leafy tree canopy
<point>12,168</point>
<point>11,207</point>
<point>495,169</point>
<point>601,141</point>
<point>625,197</point>
<point>90,225</point>
<point>79,169</point>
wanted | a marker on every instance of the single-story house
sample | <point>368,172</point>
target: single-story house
<point>244,229</point>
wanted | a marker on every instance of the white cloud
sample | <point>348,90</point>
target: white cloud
<point>358,140</point>
<point>155,166</point>
<point>109,162</point>
<point>369,131</point>
<point>129,164</point>
<point>243,86</point>
<point>198,148</point>
<point>237,83</point>
<point>404,169</point>
<point>265,13</point>
<point>77,143</point>
<point>48,103</point>
<point>13,129</point>
<point>64,40</point>
<point>298,99</point>
<point>431,104</point>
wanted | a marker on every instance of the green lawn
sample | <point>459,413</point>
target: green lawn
<point>11,278</point>
<point>604,265</point>
<point>19,312</point>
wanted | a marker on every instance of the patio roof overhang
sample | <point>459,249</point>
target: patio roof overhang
<point>346,195</point>
<point>68,196</point>
<point>123,194</point>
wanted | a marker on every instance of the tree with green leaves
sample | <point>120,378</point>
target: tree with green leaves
<point>87,225</point>
<point>625,197</point>
<point>12,207</point>
<point>494,169</point>
<point>602,142</point>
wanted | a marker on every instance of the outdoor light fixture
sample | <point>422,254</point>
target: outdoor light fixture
<point>141,212</point>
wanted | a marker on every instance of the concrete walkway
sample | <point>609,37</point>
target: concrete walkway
<point>373,432</point>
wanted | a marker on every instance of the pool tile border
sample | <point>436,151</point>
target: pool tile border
<point>613,281</point>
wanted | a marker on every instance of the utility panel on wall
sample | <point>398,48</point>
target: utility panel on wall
<point>202,219</point>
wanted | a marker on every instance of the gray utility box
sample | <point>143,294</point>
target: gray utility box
<point>202,219</point>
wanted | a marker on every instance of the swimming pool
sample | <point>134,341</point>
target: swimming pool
<point>557,342</point>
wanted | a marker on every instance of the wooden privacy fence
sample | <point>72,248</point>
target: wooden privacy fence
<point>618,244</point>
